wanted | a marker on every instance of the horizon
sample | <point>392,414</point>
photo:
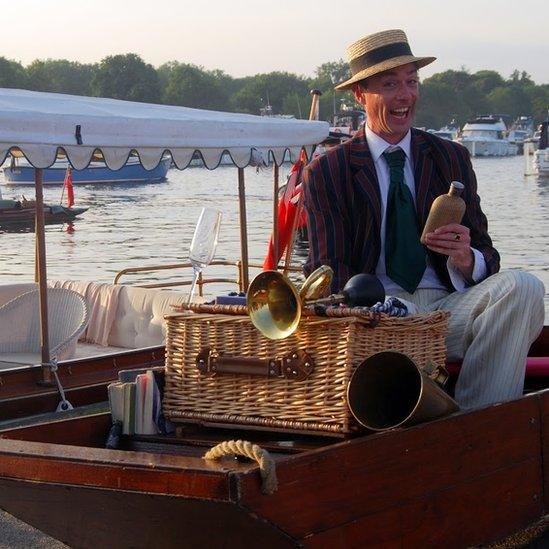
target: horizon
<point>243,41</point>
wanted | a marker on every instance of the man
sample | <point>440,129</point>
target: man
<point>367,201</point>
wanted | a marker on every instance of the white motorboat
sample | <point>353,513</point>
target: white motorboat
<point>445,133</point>
<point>541,156</point>
<point>521,131</point>
<point>487,136</point>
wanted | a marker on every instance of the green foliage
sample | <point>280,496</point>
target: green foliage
<point>461,95</point>
<point>452,94</point>
<point>439,103</point>
<point>333,73</point>
<point>191,86</point>
<point>12,74</point>
<point>126,77</point>
<point>510,99</point>
<point>539,96</point>
<point>60,76</point>
<point>486,81</point>
<point>272,89</point>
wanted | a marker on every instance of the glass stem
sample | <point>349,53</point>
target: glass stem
<point>196,272</point>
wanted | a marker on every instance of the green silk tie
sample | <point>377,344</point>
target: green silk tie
<point>405,258</point>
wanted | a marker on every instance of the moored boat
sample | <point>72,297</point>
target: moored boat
<point>486,136</point>
<point>22,213</point>
<point>541,156</point>
<point>22,173</point>
<point>450,131</point>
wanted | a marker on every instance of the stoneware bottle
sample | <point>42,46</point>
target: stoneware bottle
<point>446,209</point>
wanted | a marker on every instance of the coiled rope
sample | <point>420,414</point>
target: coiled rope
<point>267,469</point>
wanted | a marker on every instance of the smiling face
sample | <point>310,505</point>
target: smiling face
<point>389,99</point>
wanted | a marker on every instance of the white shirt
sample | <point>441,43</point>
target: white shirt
<point>430,280</point>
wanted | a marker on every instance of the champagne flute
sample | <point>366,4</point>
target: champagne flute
<point>203,244</point>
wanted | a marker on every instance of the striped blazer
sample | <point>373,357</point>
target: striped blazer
<point>343,204</point>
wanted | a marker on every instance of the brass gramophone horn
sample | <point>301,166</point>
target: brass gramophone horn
<point>388,390</point>
<point>274,304</point>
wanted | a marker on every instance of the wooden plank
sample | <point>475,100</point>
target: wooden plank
<point>40,453</point>
<point>85,381</point>
<point>85,518</point>
<point>172,475</point>
<point>90,430</point>
<point>322,489</point>
<point>76,373</point>
<point>34,404</point>
<point>488,508</point>
<point>544,412</point>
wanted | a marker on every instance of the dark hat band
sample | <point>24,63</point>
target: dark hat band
<point>378,55</point>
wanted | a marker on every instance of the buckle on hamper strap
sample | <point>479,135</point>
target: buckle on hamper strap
<point>296,365</point>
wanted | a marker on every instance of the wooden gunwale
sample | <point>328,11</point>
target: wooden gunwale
<point>84,380</point>
<point>80,466</point>
<point>469,478</point>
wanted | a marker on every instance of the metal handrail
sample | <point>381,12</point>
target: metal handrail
<point>201,280</point>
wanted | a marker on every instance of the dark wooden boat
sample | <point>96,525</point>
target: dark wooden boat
<point>468,479</point>
<point>16,214</point>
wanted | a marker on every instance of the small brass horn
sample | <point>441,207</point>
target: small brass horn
<point>274,304</point>
<point>389,389</point>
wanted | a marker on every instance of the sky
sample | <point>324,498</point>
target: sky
<point>246,37</point>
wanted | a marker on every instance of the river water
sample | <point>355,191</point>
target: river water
<point>148,224</point>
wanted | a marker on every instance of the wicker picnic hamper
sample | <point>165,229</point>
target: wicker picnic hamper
<point>332,347</point>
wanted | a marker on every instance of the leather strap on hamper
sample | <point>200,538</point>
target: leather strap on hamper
<point>297,365</point>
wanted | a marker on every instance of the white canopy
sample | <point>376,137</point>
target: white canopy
<point>40,123</point>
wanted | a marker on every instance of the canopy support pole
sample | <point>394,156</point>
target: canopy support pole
<point>275,213</point>
<point>243,230</point>
<point>40,262</point>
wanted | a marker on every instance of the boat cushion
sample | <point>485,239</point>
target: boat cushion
<point>124,316</point>
<point>139,320</point>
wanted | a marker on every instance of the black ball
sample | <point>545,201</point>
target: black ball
<point>363,290</point>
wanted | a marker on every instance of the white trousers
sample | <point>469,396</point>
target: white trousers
<point>492,326</point>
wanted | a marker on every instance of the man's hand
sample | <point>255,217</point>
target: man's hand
<point>454,241</point>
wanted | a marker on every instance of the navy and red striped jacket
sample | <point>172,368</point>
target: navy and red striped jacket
<point>343,204</point>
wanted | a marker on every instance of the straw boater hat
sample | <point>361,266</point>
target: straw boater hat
<point>380,52</point>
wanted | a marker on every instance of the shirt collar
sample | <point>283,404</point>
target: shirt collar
<point>378,146</point>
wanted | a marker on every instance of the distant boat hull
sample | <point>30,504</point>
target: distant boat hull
<point>541,162</point>
<point>26,216</point>
<point>130,173</point>
<point>485,147</point>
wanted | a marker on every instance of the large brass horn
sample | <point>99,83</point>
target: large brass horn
<point>389,390</point>
<point>274,304</point>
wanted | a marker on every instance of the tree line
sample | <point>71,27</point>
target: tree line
<point>447,95</point>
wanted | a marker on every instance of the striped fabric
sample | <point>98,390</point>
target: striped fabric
<point>343,204</point>
<point>491,328</point>
<point>493,323</point>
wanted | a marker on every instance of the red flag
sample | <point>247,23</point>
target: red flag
<point>287,211</point>
<point>68,186</point>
